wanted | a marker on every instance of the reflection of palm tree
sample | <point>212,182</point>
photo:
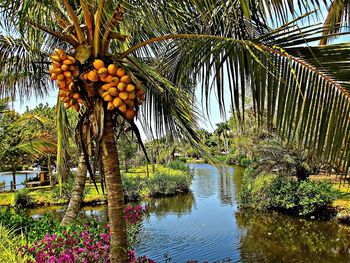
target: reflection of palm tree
<point>226,186</point>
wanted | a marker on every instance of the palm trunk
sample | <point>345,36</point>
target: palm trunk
<point>77,194</point>
<point>50,171</point>
<point>13,168</point>
<point>115,197</point>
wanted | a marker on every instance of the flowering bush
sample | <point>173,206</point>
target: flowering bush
<point>75,248</point>
<point>82,245</point>
<point>133,214</point>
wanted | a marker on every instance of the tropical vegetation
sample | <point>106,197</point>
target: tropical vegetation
<point>105,55</point>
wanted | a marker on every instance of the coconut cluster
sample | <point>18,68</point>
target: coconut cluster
<point>118,90</point>
<point>63,70</point>
<point>115,85</point>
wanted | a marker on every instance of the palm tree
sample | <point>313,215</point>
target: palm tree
<point>222,129</point>
<point>169,46</point>
<point>16,144</point>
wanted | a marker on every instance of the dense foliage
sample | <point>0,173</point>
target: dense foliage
<point>270,191</point>
<point>163,181</point>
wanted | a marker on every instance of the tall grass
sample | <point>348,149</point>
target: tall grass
<point>9,244</point>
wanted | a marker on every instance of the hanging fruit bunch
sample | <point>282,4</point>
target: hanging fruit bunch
<point>113,83</point>
<point>117,89</point>
<point>64,70</point>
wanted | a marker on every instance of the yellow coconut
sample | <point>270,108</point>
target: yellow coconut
<point>55,70</point>
<point>64,67</point>
<point>92,75</point>
<point>56,58</point>
<point>114,81</point>
<point>106,86</point>
<point>113,92</point>
<point>112,69</point>
<point>121,86</point>
<point>120,72</point>
<point>63,56</point>
<point>61,84</point>
<point>123,95</point>
<point>56,64</point>
<point>122,108</point>
<point>71,59</point>
<point>67,62</point>
<point>53,76</point>
<point>102,72</point>
<point>104,94</point>
<point>126,79</point>
<point>130,88</point>
<point>59,51</point>
<point>60,77</point>
<point>117,102</point>
<point>131,96</point>
<point>67,74</point>
<point>108,98</point>
<point>110,106</point>
<point>98,63</point>
<point>76,95</point>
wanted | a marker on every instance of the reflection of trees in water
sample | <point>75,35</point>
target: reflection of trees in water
<point>274,237</point>
<point>226,187</point>
<point>205,182</point>
<point>179,204</point>
<point>227,183</point>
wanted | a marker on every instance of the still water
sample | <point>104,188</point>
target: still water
<point>206,225</point>
<point>20,178</point>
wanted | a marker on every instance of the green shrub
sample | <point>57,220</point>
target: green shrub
<point>14,220</point>
<point>255,190</point>
<point>169,182</point>
<point>164,181</point>
<point>283,193</point>
<point>179,165</point>
<point>244,161</point>
<point>132,186</point>
<point>268,191</point>
<point>313,196</point>
<point>23,200</point>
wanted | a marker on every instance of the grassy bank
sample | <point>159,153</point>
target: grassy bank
<point>163,181</point>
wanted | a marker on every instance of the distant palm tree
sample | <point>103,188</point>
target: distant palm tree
<point>169,47</point>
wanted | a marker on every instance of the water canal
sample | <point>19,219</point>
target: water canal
<point>207,225</point>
